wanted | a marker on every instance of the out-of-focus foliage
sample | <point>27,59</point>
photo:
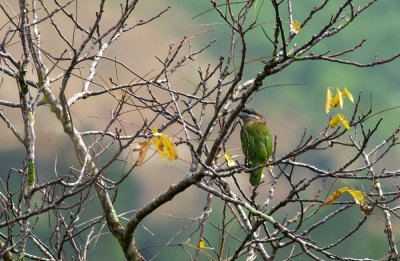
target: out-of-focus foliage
<point>291,107</point>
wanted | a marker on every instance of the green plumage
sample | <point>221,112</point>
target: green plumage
<point>256,142</point>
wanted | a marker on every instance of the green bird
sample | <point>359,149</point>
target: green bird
<point>256,141</point>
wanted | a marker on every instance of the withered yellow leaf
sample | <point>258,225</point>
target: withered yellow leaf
<point>230,162</point>
<point>202,245</point>
<point>169,146</point>
<point>357,195</point>
<point>160,147</point>
<point>142,147</point>
<point>344,121</point>
<point>349,95</point>
<point>341,96</point>
<point>155,131</point>
<point>339,119</point>
<point>338,98</point>
<point>164,142</point>
<point>335,195</point>
<point>334,121</point>
<point>295,26</point>
<point>329,97</point>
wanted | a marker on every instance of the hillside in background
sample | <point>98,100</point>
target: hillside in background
<point>294,102</point>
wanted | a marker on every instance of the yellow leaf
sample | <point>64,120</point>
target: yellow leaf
<point>357,195</point>
<point>202,245</point>
<point>335,121</point>
<point>339,119</point>
<point>338,98</point>
<point>160,147</point>
<point>142,147</point>
<point>335,195</point>
<point>169,146</point>
<point>230,162</point>
<point>155,131</point>
<point>295,26</point>
<point>328,103</point>
<point>349,95</point>
<point>344,121</point>
<point>164,142</point>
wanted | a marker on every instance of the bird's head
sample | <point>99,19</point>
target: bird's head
<point>250,115</point>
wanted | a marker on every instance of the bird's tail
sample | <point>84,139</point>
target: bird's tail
<point>255,176</point>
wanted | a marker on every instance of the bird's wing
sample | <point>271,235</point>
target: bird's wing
<point>248,146</point>
<point>268,145</point>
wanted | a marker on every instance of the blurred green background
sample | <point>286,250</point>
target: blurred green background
<point>289,109</point>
